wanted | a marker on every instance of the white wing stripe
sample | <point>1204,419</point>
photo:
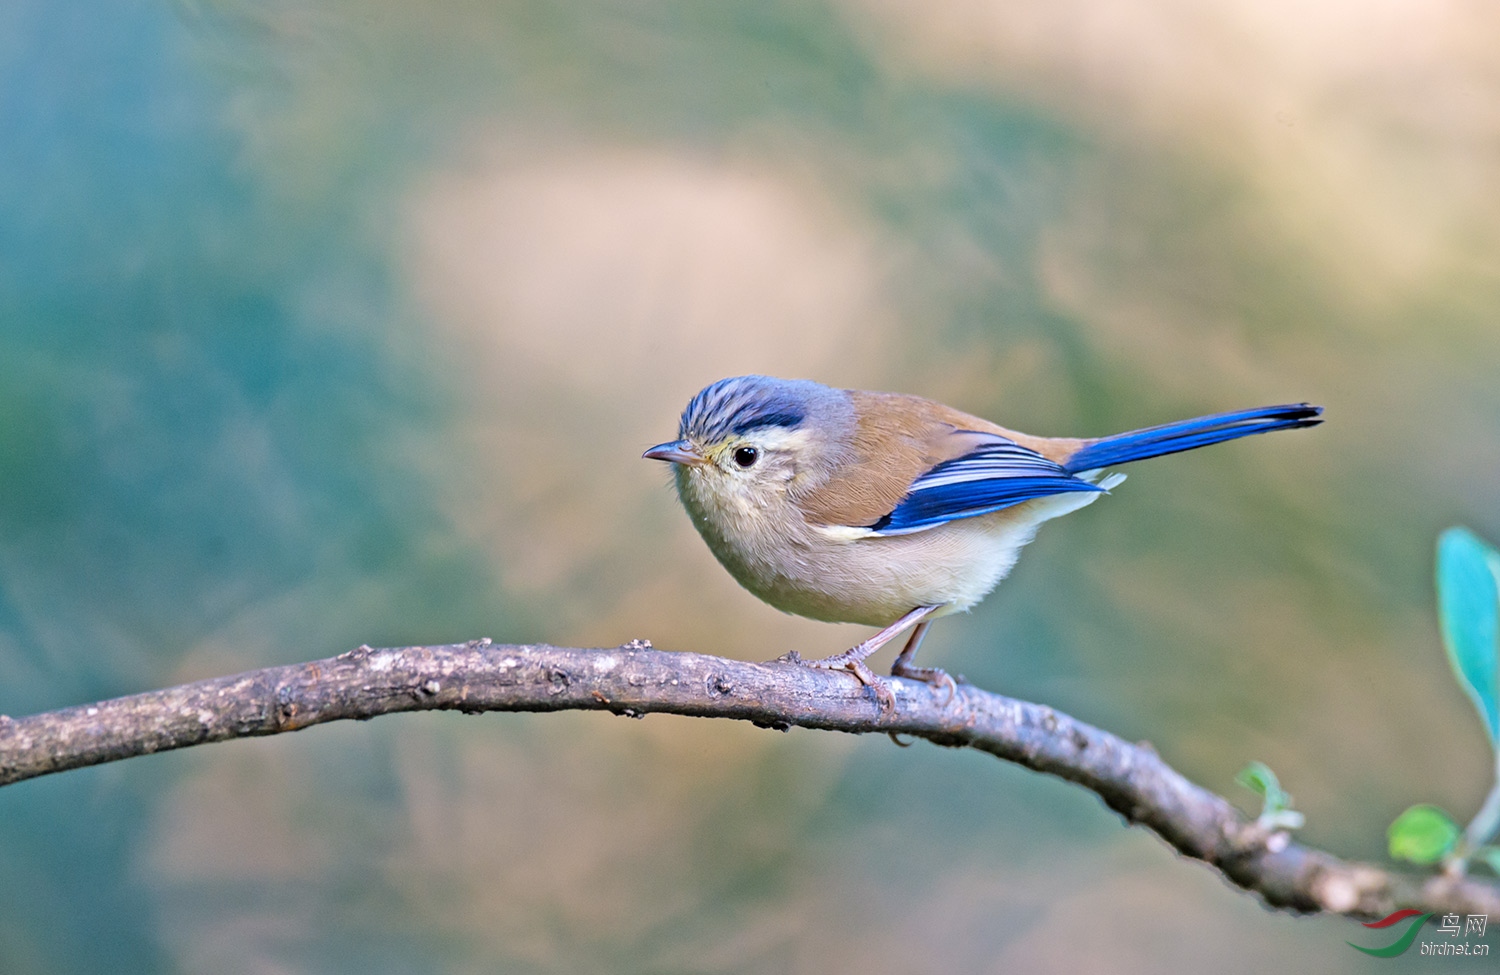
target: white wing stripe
<point>998,460</point>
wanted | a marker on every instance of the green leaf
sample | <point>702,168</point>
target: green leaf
<point>1259,779</point>
<point>1422,834</point>
<point>1469,614</point>
<point>1276,811</point>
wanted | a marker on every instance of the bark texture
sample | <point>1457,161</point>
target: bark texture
<point>636,679</point>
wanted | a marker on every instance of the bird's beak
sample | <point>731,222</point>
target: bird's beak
<point>677,452</point>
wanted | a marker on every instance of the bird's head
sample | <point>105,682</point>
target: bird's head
<point>743,441</point>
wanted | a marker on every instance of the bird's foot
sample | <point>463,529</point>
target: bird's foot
<point>936,677</point>
<point>854,663</point>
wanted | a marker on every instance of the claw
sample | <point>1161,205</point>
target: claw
<point>853,659</point>
<point>884,696</point>
<point>934,677</point>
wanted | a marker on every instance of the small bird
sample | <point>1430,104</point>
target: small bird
<point>887,509</point>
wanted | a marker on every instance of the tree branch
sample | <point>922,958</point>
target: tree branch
<point>635,680</point>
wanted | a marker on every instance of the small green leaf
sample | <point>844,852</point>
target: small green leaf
<point>1259,779</point>
<point>1469,615</point>
<point>1422,834</point>
<point>1256,777</point>
<point>1276,812</point>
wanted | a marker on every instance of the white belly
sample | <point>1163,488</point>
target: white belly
<point>845,575</point>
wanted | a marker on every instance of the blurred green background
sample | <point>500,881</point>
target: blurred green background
<point>337,323</point>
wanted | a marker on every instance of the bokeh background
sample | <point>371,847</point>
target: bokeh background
<point>346,322</point>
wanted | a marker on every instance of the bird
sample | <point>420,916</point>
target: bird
<point>892,510</point>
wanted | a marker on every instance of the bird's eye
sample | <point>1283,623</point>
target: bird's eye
<point>746,456</point>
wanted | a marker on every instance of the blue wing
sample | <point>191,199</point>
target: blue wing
<point>997,474</point>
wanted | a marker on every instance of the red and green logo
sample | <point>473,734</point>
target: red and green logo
<point>1400,944</point>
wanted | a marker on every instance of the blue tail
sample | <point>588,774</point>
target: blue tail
<point>1169,438</point>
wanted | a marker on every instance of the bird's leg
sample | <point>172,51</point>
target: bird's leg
<point>858,652</point>
<point>853,659</point>
<point>903,667</point>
